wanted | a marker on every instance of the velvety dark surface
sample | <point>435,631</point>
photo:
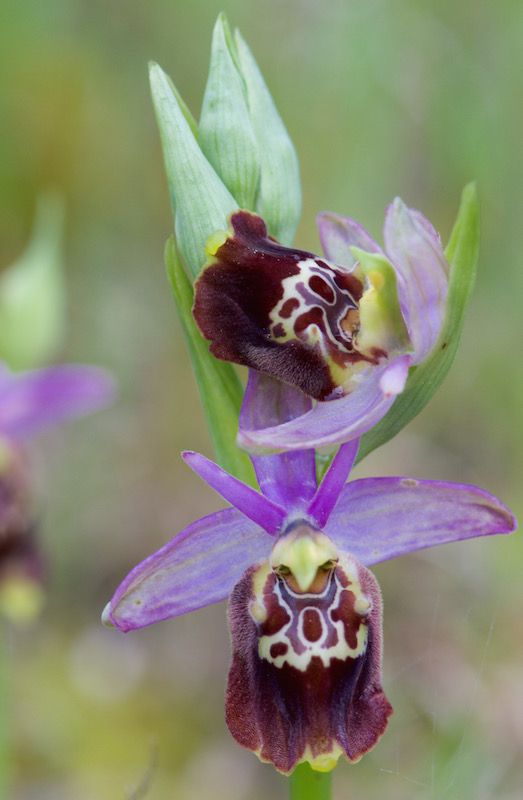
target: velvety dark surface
<point>381,99</point>
<point>283,710</point>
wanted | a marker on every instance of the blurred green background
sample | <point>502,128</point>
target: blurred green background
<point>381,98</point>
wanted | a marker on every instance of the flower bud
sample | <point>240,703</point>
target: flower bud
<point>200,200</point>
<point>240,155</point>
<point>226,134</point>
<point>279,194</point>
<point>32,293</point>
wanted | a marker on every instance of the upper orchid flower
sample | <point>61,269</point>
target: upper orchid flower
<point>356,331</point>
<point>29,402</point>
<point>304,610</point>
<point>345,330</point>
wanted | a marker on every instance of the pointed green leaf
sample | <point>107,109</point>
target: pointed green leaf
<point>32,293</point>
<point>225,132</point>
<point>462,255</point>
<point>220,388</point>
<point>201,203</point>
<point>191,122</point>
<point>279,195</point>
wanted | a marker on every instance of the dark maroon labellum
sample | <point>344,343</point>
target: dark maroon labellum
<point>284,312</point>
<point>305,679</point>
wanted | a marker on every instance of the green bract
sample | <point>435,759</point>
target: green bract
<point>279,196</point>
<point>220,389</point>
<point>32,293</point>
<point>201,202</point>
<point>239,156</point>
<point>226,133</point>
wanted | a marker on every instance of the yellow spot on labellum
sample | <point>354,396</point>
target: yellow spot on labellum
<point>257,607</point>
<point>362,604</point>
<point>215,241</point>
<point>258,612</point>
<point>324,762</point>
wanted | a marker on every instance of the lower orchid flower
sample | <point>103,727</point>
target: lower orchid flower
<point>304,610</point>
<point>343,331</point>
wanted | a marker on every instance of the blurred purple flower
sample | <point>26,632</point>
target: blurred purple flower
<point>304,610</point>
<point>37,399</point>
<point>30,402</point>
<point>344,331</point>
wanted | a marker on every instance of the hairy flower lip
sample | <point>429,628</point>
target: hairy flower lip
<point>287,312</point>
<point>305,679</point>
<point>414,251</point>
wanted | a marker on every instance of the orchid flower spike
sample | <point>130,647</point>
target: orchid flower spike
<point>343,329</point>
<point>30,402</point>
<point>304,610</point>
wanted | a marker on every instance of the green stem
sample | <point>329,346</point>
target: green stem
<point>307,784</point>
<point>4,714</point>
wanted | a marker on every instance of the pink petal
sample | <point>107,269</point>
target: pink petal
<point>394,378</point>
<point>415,251</point>
<point>288,479</point>
<point>338,234</point>
<point>329,490</point>
<point>331,422</point>
<point>197,568</point>
<point>252,504</point>
<point>381,518</point>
